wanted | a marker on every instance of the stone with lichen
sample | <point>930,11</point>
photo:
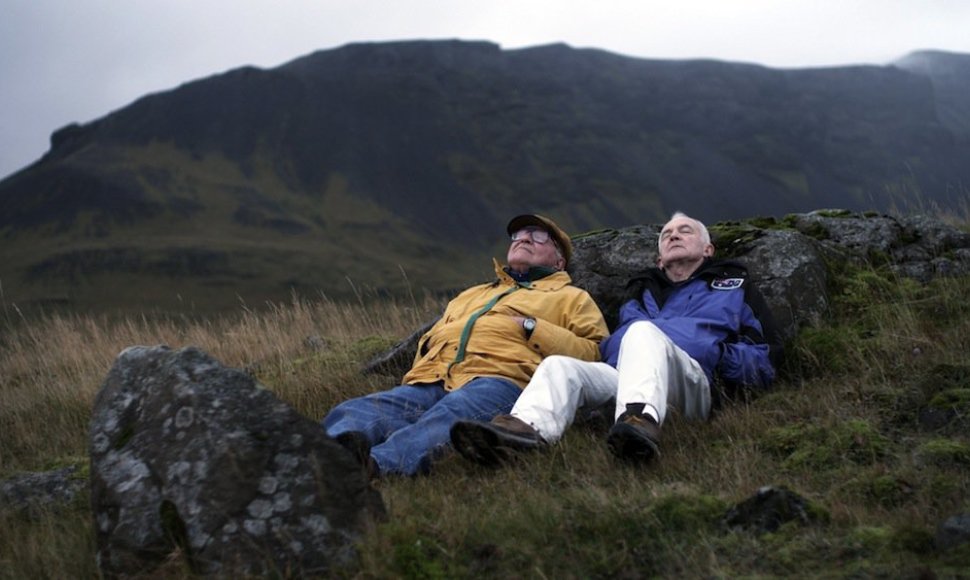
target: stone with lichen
<point>191,457</point>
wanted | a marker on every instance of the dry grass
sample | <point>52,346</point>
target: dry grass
<point>51,368</point>
<point>840,429</point>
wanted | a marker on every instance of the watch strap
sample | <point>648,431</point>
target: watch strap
<point>529,325</point>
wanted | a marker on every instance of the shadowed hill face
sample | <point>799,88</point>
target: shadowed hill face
<point>414,154</point>
<point>68,191</point>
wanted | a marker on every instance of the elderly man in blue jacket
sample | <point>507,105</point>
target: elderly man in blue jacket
<point>692,319</point>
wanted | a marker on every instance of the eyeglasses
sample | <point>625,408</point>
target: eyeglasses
<point>537,235</point>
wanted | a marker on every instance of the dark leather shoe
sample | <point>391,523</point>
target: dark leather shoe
<point>634,437</point>
<point>494,443</point>
<point>359,446</point>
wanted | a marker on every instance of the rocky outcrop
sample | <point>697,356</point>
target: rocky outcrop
<point>188,455</point>
<point>32,494</point>
<point>789,259</point>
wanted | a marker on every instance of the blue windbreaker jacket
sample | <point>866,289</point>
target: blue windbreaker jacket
<point>716,316</point>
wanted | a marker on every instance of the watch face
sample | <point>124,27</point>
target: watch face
<point>529,324</point>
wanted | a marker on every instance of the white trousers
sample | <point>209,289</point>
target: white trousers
<point>651,370</point>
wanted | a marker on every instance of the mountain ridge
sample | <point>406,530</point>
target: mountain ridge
<point>371,160</point>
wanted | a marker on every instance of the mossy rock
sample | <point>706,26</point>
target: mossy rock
<point>834,213</point>
<point>764,222</point>
<point>731,238</point>
<point>815,230</point>
<point>81,465</point>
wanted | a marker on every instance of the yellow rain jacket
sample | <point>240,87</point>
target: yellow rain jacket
<point>568,322</point>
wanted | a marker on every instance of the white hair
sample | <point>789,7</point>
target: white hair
<point>705,235</point>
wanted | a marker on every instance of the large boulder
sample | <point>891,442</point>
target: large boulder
<point>188,455</point>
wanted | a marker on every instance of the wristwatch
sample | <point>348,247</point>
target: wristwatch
<point>529,324</point>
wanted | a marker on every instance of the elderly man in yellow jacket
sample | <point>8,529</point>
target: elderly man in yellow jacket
<point>474,362</point>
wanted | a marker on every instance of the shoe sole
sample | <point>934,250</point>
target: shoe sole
<point>627,443</point>
<point>483,444</point>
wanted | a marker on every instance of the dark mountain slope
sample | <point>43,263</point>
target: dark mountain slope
<point>370,159</point>
<point>950,75</point>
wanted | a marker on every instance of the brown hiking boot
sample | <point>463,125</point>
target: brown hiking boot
<point>494,443</point>
<point>634,437</point>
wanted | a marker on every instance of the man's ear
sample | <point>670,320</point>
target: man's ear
<point>708,250</point>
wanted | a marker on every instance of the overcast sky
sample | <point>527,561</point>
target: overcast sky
<point>64,61</point>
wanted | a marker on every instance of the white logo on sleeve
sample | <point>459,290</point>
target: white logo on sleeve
<point>727,283</point>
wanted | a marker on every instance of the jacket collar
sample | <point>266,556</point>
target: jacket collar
<point>709,268</point>
<point>549,283</point>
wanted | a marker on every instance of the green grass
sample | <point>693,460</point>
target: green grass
<point>842,429</point>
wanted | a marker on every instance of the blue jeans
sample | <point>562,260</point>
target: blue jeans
<point>409,426</point>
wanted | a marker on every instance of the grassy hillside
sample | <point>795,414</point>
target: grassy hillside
<point>842,428</point>
<point>204,236</point>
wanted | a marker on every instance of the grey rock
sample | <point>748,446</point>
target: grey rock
<point>953,532</point>
<point>316,343</point>
<point>857,234</point>
<point>789,270</point>
<point>31,494</point>
<point>188,454</point>
<point>603,262</point>
<point>767,510</point>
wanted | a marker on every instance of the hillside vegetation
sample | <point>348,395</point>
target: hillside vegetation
<point>846,427</point>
